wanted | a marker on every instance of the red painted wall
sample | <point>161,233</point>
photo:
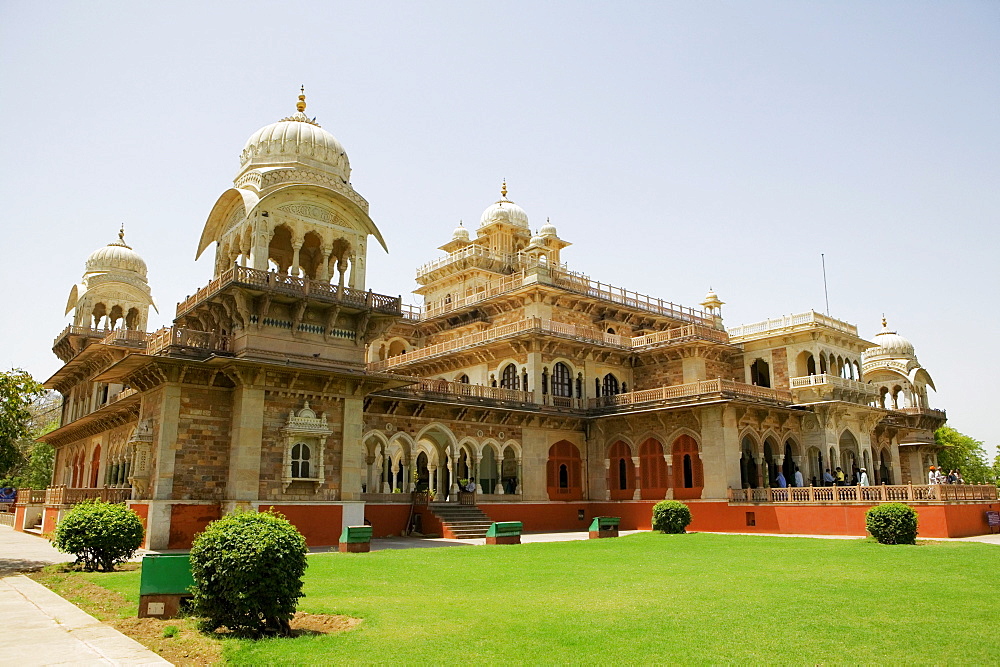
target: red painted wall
<point>19,519</point>
<point>387,520</point>
<point>49,519</point>
<point>541,517</point>
<point>142,509</point>
<point>320,524</point>
<point>188,520</point>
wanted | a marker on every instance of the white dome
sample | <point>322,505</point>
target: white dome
<point>891,344</point>
<point>537,239</point>
<point>460,234</point>
<point>548,229</point>
<point>296,138</point>
<point>504,210</point>
<point>115,257</point>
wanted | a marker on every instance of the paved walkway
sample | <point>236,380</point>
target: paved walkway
<point>41,628</point>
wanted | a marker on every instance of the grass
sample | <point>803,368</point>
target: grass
<point>647,598</point>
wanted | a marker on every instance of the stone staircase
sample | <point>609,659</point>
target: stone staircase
<point>462,522</point>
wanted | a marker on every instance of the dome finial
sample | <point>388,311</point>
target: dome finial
<point>121,233</point>
<point>301,104</point>
<point>503,189</point>
<point>885,325</point>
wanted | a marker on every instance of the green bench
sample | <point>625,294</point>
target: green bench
<point>604,526</point>
<point>356,540</point>
<point>504,532</point>
<point>166,580</point>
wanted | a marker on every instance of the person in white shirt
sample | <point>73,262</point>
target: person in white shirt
<point>864,478</point>
<point>798,477</point>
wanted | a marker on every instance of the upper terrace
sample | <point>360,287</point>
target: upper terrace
<point>789,324</point>
<point>532,272</point>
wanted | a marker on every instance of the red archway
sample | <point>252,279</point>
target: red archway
<point>621,472</point>
<point>689,478</point>
<point>95,466</point>
<point>653,482</point>
<point>563,472</point>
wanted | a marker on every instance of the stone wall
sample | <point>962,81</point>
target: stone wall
<point>201,462</point>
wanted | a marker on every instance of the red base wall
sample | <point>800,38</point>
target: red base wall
<point>320,524</point>
<point>387,520</point>
<point>19,519</point>
<point>188,520</point>
<point>49,519</point>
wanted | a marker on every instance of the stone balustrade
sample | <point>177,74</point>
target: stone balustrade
<point>63,495</point>
<point>167,337</point>
<point>906,493</point>
<point>791,321</point>
<point>681,392</point>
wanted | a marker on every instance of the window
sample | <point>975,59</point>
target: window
<point>562,381</point>
<point>463,378</point>
<point>509,379</point>
<point>300,461</point>
<point>610,385</point>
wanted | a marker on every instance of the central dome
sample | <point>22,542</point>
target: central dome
<point>504,210</point>
<point>296,138</point>
<point>114,257</point>
<point>891,344</point>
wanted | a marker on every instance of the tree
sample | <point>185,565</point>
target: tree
<point>964,453</point>
<point>18,390</point>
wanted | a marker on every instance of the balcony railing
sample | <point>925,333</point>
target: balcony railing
<point>790,321</point>
<point>470,391</point>
<point>189,338</point>
<point>866,494</point>
<point>539,325</point>
<point>725,388</point>
<point>80,331</point>
<point>840,388</point>
<point>930,412</point>
<point>292,286</point>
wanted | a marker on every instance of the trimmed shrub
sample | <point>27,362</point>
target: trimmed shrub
<point>248,569</point>
<point>671,516</point>
<point>99,534</point>
<point>892,523</point>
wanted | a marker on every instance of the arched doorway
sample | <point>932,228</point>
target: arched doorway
<point>563,472</point>
<point>688,474</point>
<point>423,476</point>
<point>749,475</point>
<point>489,476</point>
<point>653,482</point>
<point>621,472</point>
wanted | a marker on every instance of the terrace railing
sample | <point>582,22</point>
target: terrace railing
<point>789,321</point>
<point>462,390</point>
<point>63,495</point>
<point>865,494</point>
<point>727,388</point>
<point>190,338</point>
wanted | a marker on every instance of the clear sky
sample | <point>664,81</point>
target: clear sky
<point>678,146</point>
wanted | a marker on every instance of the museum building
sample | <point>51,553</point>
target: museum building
<point>519,390</point>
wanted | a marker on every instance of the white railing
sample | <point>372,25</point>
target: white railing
<point>931,412</point>
<point>469,252</point>
<point>474,391</point>
<point>539,325</point>
<point>203,340</point>
<point>866,494</point>
<point>128,337</point>
<point>728,388</point>
<point>825,379</point>
<point>789,321</point>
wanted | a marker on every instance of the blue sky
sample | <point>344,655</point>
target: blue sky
<point>677,145</point>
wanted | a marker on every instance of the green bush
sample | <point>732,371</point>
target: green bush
<point>99,534</point>
<point>671,516</point>
<point>892,523</point>
<point>248,569</point>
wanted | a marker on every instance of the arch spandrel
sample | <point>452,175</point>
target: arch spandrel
<point>215,225</point>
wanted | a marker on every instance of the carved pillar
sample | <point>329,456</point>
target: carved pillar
<point>296,249</point>
<point>369,461</point>
<point>341,269</point>
<point>323,272</point>
<point>607,479</point>
<point>638,480</point>
<point>385,471</point>
<point>453,491</point>
<point>520,470</point>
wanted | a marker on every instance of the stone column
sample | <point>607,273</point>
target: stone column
<point>323,272</point>
<point>296,249</point>
<point>385,486</point>
<point>607,479</point>
<point>720,446</point>
<point>369,461</point>
<point>351,448</point>
<point>519,490</point>
<point>638,479</point>
<point>245,444</point>
<point>165,446</point>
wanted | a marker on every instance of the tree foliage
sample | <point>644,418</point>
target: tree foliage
<point>99,534</point>
<point>248,569</point>
<point>892,523</point>
<point>964,453</point>
<point>18,390</point>
<point>671,516</point>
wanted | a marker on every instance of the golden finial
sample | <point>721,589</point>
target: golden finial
<point>121,233</point>
<point>503,189</point>
<point>885,325</point>
<point>301,104</point>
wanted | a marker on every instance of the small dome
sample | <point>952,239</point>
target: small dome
<point>460,233</point>
<point>504,210</point>
<point>890,343</point>
<point>548,229</point>
<point>296,138</point>
<point>537,239</point>
<point>115,257</point>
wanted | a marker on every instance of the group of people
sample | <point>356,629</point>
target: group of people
<point>837,478</point>
<point>936,475</point>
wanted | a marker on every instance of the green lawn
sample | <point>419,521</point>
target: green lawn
<point>650,598</point>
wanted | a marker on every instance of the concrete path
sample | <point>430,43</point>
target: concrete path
<point>37,627</point>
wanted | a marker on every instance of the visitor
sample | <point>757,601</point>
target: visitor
<point>939,476</point>
<point>958,476</point>
<point>841,479</point>
<point>798,477</point>
<point>782,482</point>
<point>931,476</point>
<point>953,477</point>
<point>827,478</point>
<point>864,478</point>
<point>471,486</point>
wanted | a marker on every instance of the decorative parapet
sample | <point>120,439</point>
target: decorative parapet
<point>723,389</point>
<point>907,493</point>
<point>789,322</point>
<point>832,387</point>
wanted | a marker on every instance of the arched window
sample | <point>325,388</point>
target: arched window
<point>509,379</point>
<point>688,473</point>
<point>621,472</point>
<point>300,461</point>
<point>562,381</point>
<point>622,475</point>
<point>652,470</point>
<point>563,472</point>
<point>463,378</point>
<point>610,385</point>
